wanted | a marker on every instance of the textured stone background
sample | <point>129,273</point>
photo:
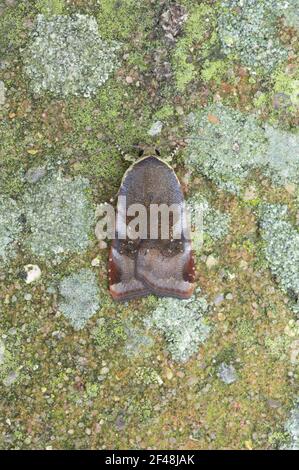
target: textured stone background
<point>77,370</point>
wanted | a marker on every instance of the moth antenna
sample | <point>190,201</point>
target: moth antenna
<point>175,151</point>
<point>125,155</point>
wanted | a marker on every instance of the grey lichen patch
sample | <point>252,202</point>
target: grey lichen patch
<point>8,375</point>
<point>79,297</point>
<point>281,247</point>
<point>291,13</point>
<point>66,56</point>
<point>59,215</point>
<point>224,145</point>
<point>282,157</point>
<point>215,224</point>
<point>138,342</point>
<point>183,325</point>
<point>248,32</point>
<point>292,428</point>
<point>10,227</point>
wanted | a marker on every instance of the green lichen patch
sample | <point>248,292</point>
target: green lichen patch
<point>120,20</point>
<point>281,247</point>
<point>59,215</point>
<point>224,145</point>
<point>249,33</point>
<point>108,333</point>
<point>10,227</point>
<point>284,97</point>
<point>13,28</point>
<point>182,323</point>
<point>11,165</point>
<point>195,45</point>
<point>50,7</point>
<point>79,297</point>
<point>66,56</point>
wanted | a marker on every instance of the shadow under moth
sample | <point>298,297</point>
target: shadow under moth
<point>145,265</point>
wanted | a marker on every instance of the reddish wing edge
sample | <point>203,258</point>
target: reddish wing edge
<point>151,273</point>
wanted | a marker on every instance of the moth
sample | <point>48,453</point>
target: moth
<point>160,265</point>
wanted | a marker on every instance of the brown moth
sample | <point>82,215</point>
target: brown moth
<point>143,266</point>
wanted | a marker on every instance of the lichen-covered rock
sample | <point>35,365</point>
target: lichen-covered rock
<point>67,56</point>
<point>224,145</point>
<point>59,215</point>
<point>215,223</point>
<point>281,247</point>
<point>183,325</point>
<point>79,297</point>
<point>248,31</point>
<point>282,157</point>
<point>10,227</point>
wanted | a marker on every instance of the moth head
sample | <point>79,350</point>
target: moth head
<point>148,151</point>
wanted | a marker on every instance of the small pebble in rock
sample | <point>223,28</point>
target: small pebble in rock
<point>33,273</point>
<point>218,299</point>
<point>250,194</point>
<point>274,403</point>
<point>10,379</point>
<point>243,264</point>
<point>229,296</point>
<point>211,262</point>
<point>120,423</point>
<point>2,93</point>
<point>129,79</point>
<point>27,297</point>
<point>95,262</point>
<point>227,373</point>
<point>169,374</point>
<point>155,129</point>
<point>2,353</point>
<point>104,370</point>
